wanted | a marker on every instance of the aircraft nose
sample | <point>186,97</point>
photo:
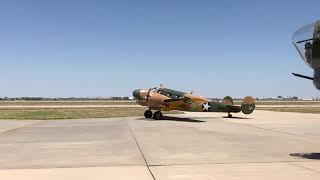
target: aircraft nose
<point>136,93</point>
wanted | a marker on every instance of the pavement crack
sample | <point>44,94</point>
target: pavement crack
<point>223,163</point>
<point>144,158</point>
<point>279,132</point>
<point>306,168</point>
<point>21,127</point>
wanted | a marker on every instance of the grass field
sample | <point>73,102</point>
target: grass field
<point>30,112</point>
<point>270,103</point>
<point>69,113</point>
<point>72,113</point>
<point>74,103</point>
<point>312,110</point>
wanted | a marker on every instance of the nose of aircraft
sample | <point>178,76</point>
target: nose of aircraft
<point>136,93</point>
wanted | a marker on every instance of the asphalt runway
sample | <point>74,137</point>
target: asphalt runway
<point>265,145</point>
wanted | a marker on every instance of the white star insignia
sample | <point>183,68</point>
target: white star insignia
<point>205,107</point>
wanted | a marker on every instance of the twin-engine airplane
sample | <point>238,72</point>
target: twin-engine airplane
<point>307,42</point>
<point>163,99</point>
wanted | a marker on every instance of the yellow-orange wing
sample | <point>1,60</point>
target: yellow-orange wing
<point>174,104</point>
<point>196,99</point>
<point>186,103</point>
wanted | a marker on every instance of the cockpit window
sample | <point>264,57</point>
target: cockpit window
<point>302,40</point>
<point>307,42</point>
<point>172,93</point>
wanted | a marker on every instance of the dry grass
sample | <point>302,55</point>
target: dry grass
<point>73,103</point>
<point>312,110</point>
<point>284,102</point>
<point>71,113</point>
<point>111,112</point>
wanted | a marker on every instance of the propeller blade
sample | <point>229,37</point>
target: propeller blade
<point>148,95</point>
<point>298,42</point>
<point>303,76</point>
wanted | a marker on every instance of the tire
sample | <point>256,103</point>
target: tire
<point>148,114</point>
<point>157,115</point>
<point>229,115</point>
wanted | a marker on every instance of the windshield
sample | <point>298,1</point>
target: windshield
<point>306,41</point>
<point>301,40</point>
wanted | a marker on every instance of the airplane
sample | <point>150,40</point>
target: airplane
<point>164,99</point>
<point>307,42</point>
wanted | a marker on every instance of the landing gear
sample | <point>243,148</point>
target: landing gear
<point>157,115</point>
<point>148,114</point>
<point>229,115</point>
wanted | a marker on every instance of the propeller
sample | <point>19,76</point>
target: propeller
<point>148,95</point>
<point>303,76</point>
<point>311,39</point>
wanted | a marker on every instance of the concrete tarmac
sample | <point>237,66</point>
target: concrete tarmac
<point>265,145</point>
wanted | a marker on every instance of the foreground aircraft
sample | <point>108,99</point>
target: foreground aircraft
<point>163,99</point>
<point>307,42</point>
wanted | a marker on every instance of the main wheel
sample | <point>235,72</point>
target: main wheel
<point>229,115</point>
<point>148,114</point>
<point>157,115</point>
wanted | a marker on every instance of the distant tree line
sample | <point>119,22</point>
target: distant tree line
<point>116,98</point>
<point>278,98</point>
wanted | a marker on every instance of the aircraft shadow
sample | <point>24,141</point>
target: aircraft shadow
<point>234,117</point>
<point>171,118</point>
<point>315,156</point>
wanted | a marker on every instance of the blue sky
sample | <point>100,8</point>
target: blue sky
<point>108,48</point>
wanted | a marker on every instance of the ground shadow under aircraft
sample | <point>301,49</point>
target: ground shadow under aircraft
<point>171,118</point>
<point>234,117</point>
<point>315,156</point>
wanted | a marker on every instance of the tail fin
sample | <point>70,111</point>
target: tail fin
<point>227,100</point>
<point>248,105</point>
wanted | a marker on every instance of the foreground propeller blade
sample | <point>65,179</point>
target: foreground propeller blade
<point>303,76</point>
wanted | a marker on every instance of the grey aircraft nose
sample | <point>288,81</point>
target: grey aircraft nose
<point>136,93</point>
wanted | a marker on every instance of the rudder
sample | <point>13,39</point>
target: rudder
<point>227,100</point>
